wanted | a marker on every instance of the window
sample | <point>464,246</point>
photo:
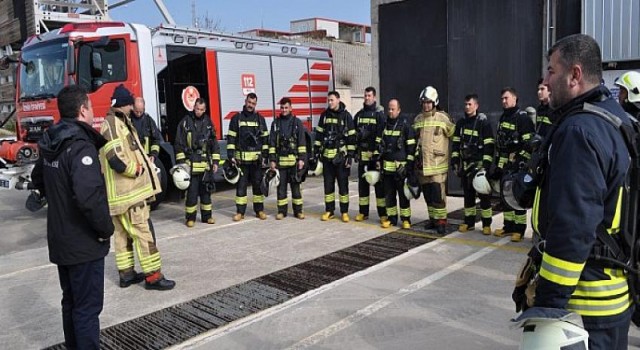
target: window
<point>114,64</point>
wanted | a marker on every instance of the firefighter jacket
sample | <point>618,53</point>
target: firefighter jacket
<point>197,143</point>
<point>369,123</point>
<point>129,175</point>
<point>543,120</point>
<point>433,130</point>
<point>248,137</point>
<point>287,142</point>
<point>68,174</point>
<point>148,133</point>
<point>515,130</point>
<point>581,192</point>
<point>473,143</point>
<point>335,133</point>
<point>397,145</point>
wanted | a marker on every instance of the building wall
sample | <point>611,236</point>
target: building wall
<point>331,27</point>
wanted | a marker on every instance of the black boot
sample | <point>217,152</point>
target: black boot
<point>130,277</point>
<point>441,227</point>
<point>430,225</point>
<point>160,283</point>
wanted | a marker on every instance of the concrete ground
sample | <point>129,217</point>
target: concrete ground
<point>452,293</point>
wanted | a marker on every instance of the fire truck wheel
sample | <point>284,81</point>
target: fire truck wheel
<point>162,175</point>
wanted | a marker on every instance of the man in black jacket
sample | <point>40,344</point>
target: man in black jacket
<point>78,220</point>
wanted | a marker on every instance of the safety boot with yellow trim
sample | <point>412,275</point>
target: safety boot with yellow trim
<point>499,232</point>
<point>238,217</point>
<point>406,224</point>
<point>516,237</point>
<point>211,221</point>
<point>384,218</point>
<point>261,215</point>
<point>190,223</point>
<point>385,224</point>
<point>327,216</point>
<point>486,230</point>
<point>361,217</point>
<point>463,228</point>
<point>345,217</point>
<point>280,216</point>
<point>300,216</point>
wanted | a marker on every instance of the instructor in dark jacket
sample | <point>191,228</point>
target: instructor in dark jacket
<point>78,222</point>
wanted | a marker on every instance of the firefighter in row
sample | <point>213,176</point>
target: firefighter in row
<point>515,130</point>
<point>629,95</point>
<point>397,154</point>
<point>335,148</point>
<point>433,128</point>
<point>248,150</point>
<point>471,156</point>
<point>131,181</point>
<point>369,123</point>
<point>197,147</point>
<point>147,129</point>
<point>543,111</point>
<point>288,155</point>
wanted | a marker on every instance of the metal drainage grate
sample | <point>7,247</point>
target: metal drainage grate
<point>178,323</point>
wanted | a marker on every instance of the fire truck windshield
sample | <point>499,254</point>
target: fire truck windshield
<point>42,70</point>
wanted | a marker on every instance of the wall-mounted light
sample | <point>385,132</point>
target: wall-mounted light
<point>192,40</point>
<point>238,44</point>
<point>178,39</point>
<point>285,49</point>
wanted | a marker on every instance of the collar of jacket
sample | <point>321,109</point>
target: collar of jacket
<point>598,93</point>
<point>286,117</point>
<point>370,108</point>
<point>247,113</point>
<point>339,111</point>
<point>510,111</point>
<point>54,139</point>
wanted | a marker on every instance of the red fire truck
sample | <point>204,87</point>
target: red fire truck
<point>170,67</point>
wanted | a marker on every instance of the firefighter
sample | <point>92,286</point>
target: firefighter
<point>397,154</point>
<point>369,123</point>
<point>629,95</point>
<point>433,128</point>
<point>147,129</point>
<point>515,130</point>
<point>131,180</point>
<point>288,154</point>
<point>335,147</point>
<point>578,195</point>
<point>197,146</point>
<point>543,111</point>
<point>472,150</point>
<point>248,149</point>
<point>78,222</point>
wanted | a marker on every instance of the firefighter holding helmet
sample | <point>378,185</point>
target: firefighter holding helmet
<point>433,128</point>
<point>197,148</point>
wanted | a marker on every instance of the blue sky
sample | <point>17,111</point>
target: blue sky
<point>239,15</point>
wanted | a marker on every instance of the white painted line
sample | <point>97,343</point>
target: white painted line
<point>392,298</point>
<point>249,320</point>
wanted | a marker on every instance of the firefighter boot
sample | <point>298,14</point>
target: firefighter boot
<point>327,216</point>
<point>261,215</point>
<point>157,281</point>
<point>430,225</point>
<point>361,217</point>
<point>300,216</point>
<point>279,216</point>
<point>441,226</point>
<point>190,223</point>
<point>383,218</point>
<point>345,217</point>
<point>211,221</point>
<point>486,230</point>
<point>469,225</point>
<point>238,217</point>
<point>130,277</point>
<point>499,232</point>
<point>406,224</point>
<point>516,237</point>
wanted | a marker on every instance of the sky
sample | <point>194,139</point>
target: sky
<point>239,15</point>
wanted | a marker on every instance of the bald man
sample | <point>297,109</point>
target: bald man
<point>148,131</point>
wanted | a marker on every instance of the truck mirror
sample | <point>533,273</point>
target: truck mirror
<point>96,65</point>
<point>71,59</point>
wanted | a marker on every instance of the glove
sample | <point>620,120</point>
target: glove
<point>139,170</point>
<point>348,162</point>
<point>524,292</point>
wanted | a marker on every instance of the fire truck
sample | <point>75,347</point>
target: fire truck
<point>169,67</point>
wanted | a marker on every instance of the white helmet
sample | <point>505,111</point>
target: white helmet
<point>231,172</point>
<point>371,176</point>
<point>270,181</point>
<point>553,334</point>
<point>429,94</point>
<point>480,182</point>
<point>631,82</point>
<point>317,171</point>
<point>411,191</point>
<point>495,185</point>
<point>181,177</point>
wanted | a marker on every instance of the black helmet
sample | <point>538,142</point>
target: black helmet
<point>230,172</point>
<point>518,189</point>
<point>271,178</point>
<point>301,174</point>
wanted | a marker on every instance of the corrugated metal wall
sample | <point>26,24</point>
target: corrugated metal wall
<point>614,24</point>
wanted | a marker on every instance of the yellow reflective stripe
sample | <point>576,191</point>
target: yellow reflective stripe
<point>351,147</point>
<point>113,200</point>
<point>435,169</point>
<point>391,165</point>
<point>231,146</point>
<point>180,156</point>
<point>249,156</point>
<point>405,212</point>
<point>241,200</point>
<point>131,169</point>
<point>297,201</point>
<point>206,207</point>
<point>232,133</point>
<point>602,288</point>
<point>330,197</point>
<point>380,202</point>
<point>319,129</point>
<point>410,157</point>
<point>488,158</point>
<point>344,198</point>
<point>489,140</point>
<point>146,144</point>
<point>302,149</point>
<point>351,132</point>
<point>249,123</point>
<point>425,124</point>
<point>455,139</point>
<point>470,132</point>
<point>606,307</point>
<point>526,137</point>
<point>155,148</point>
<point>411,142</point>
<point>367,121</point>
<point>392,211</point>
<point>507,125</point>
<point>215,156</point>
<point>258,198</point>
<point>331,121</point>
<point>543,119</point>
<point>124,260</point>
<point>330,153</point>
<point>455,154</point>
<point>111,145</point>
<point>272,150</point>
<point>470,211</point>
<point>189,140</point>
<point>191,210</point>
<point>486,213</point>
<point>560,271</point>
<point>615,224</point>
<point>363,201</point>
<point>388,132</point>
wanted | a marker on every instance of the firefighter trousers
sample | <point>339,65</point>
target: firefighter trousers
<point>331,173</point>
<point>435,196</point>
<point>287,177</point>
<point>198,190</point>
<point>131,233</point>
<point>470,195</point>
<point>364,189</point>
<point>394,188</point>
<point>251,173</point>
<point>515,221</point>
